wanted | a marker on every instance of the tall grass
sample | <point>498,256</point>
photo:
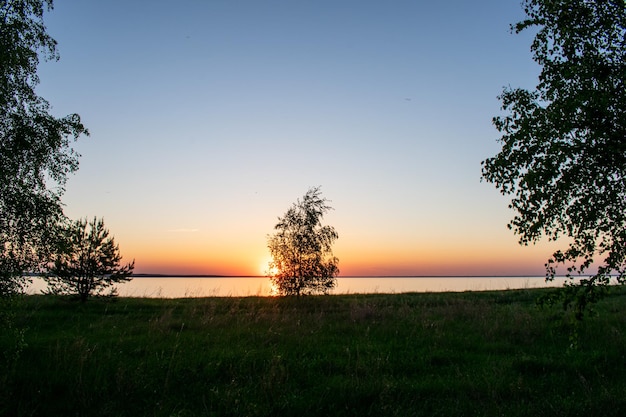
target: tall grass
<point>484,353</point>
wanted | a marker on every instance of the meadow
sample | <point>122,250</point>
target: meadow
<point>418,354</point>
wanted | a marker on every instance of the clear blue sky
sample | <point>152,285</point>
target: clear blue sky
<point>208,119</point>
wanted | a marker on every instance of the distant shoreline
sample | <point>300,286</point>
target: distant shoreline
<point>341,276</point>
<point>187,276</point>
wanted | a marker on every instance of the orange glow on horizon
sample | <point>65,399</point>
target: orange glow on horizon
<point>490,264</point>
<point>194,254</point>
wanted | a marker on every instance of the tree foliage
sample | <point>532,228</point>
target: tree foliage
<point>301,248</point>
<point>88,262</point>
<point>35,147</point>
<point>563,157</point>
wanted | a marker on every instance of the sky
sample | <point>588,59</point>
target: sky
<point>209,119</point>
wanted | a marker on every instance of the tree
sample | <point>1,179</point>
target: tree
<point>35,147</point>
<point>563,156</point>
<point>88,263</point>
<point>301,248</point>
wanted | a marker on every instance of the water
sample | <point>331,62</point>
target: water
<point>177,287</point>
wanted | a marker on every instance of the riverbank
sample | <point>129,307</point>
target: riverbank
<point>476,353</point>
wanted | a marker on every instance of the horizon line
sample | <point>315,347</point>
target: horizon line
<point>154,275</point>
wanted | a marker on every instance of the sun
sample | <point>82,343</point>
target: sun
<point>264,267</point>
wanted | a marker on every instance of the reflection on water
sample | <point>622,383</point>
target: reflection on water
<point>176,287</point>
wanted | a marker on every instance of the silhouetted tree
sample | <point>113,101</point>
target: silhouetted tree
<point>88,261</point>
<point>563,156</point>
<point>301,248</point>
<point>35,151</point>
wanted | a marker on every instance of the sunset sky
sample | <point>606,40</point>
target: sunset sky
<point>208,119</point>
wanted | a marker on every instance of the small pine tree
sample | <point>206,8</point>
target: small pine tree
<point>88,261</point>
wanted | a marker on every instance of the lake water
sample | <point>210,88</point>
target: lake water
<point>178,287</point>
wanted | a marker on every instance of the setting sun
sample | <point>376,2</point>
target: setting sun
<point>265,269</point>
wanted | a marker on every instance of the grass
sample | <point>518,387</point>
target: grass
<point>462,354</point>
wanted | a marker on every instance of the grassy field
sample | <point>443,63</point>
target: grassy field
<point>444,354</point>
